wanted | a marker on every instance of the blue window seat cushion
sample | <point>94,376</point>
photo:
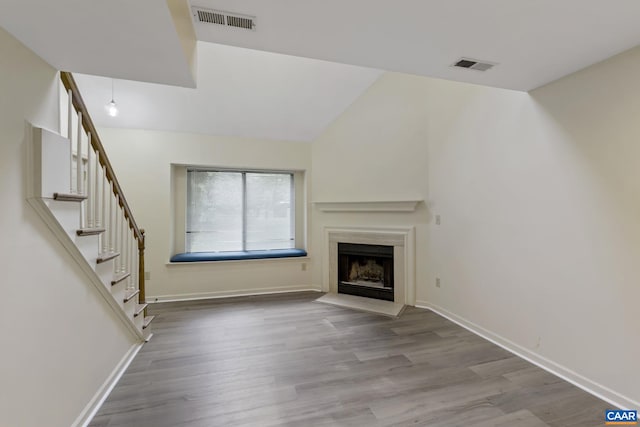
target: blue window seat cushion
<point>238,255</point>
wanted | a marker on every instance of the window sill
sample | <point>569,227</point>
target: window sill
<point>196,257</point>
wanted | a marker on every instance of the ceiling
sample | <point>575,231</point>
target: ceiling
<point>534,41</point>
<point>241,92</point>
<point>127,39</point>
<point>306,61</point>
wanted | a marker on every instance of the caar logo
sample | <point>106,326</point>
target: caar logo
<point>620,417</point>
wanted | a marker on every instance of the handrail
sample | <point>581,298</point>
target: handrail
<point>70,85</point>
<point>87,124</point>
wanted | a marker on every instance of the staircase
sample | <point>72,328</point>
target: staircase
<point>72,186</point>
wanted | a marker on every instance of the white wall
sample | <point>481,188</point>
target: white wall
<point>539,196</point>
<point>142,161</point>
<point>60,340</point>
<point>540,240</point>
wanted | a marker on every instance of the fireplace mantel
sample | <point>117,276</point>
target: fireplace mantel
<point>368,206</point>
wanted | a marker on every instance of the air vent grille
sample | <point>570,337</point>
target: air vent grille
<point>210,17</point>
<point>236,21</point>
<point>473,64</point>
<point>228,19</point>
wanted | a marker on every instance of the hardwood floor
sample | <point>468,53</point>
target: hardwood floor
<point>283,360</point>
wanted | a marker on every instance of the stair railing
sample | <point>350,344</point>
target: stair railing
<point>105,206</point>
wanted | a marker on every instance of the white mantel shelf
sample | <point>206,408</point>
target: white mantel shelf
<point>369,206</point>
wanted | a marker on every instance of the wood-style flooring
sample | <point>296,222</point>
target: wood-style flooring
<point>283,360</point>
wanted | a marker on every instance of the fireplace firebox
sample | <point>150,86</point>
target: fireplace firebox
<point>365,270</point>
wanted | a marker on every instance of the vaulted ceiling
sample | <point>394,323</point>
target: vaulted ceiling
<point>241,92</point>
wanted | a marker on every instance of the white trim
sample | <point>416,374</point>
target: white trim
<point>368,206</point>
<point>550,366</point>
<point>229,294</point>
<point>105,389</point>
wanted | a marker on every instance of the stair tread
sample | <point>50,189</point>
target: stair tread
<point>69,197</point>
<point>128,296</point>
<point>147,321</point>
<point>89,231</point>
<point>139,309</point>
<point>119,278</point>
<point>106,256</point>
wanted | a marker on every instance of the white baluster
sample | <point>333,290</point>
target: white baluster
<point>111,208</point>
<point>118,237</point>
<point>116,248</point>
<point>79,155</point>
<point>113,220</point>
<point>130,282</point>
<point>89,188</point>
<point>79,166</point>
<point>96,198</point>
<point>123,243</point>
<point>125,247</point>
<point>129,265</point>
<point>131,258</point>
<point>134,267</point>
<point>105,220</point>
<point>69,136</point>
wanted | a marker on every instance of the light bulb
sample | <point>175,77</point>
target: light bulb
<point>112,109</point>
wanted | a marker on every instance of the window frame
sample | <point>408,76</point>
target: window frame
<point>293,203</point>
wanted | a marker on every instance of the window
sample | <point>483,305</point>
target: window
<point>239,210</point>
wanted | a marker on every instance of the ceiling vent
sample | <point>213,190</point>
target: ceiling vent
<point>228,19</point>
<point>473,64</point>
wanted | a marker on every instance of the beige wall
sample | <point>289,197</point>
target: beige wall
<point>539,198</point>
<point>60,340</point>
<point>142,161</point>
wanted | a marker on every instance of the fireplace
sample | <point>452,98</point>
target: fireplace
<point>366,270</point>
<point>401,239</point>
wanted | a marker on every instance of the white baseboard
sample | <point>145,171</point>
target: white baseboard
<point>229,294</point>
<point>554,368</point>
<point>103,392</point>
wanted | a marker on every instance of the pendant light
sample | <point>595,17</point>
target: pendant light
<point>112,108</point>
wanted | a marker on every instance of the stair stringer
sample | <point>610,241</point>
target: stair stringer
<point>40,197</point>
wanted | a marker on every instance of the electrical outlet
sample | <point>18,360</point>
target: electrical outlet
<point>147,275</point>
<point>304,266</point>
<point>437,282</point>
<point>437,219</point>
